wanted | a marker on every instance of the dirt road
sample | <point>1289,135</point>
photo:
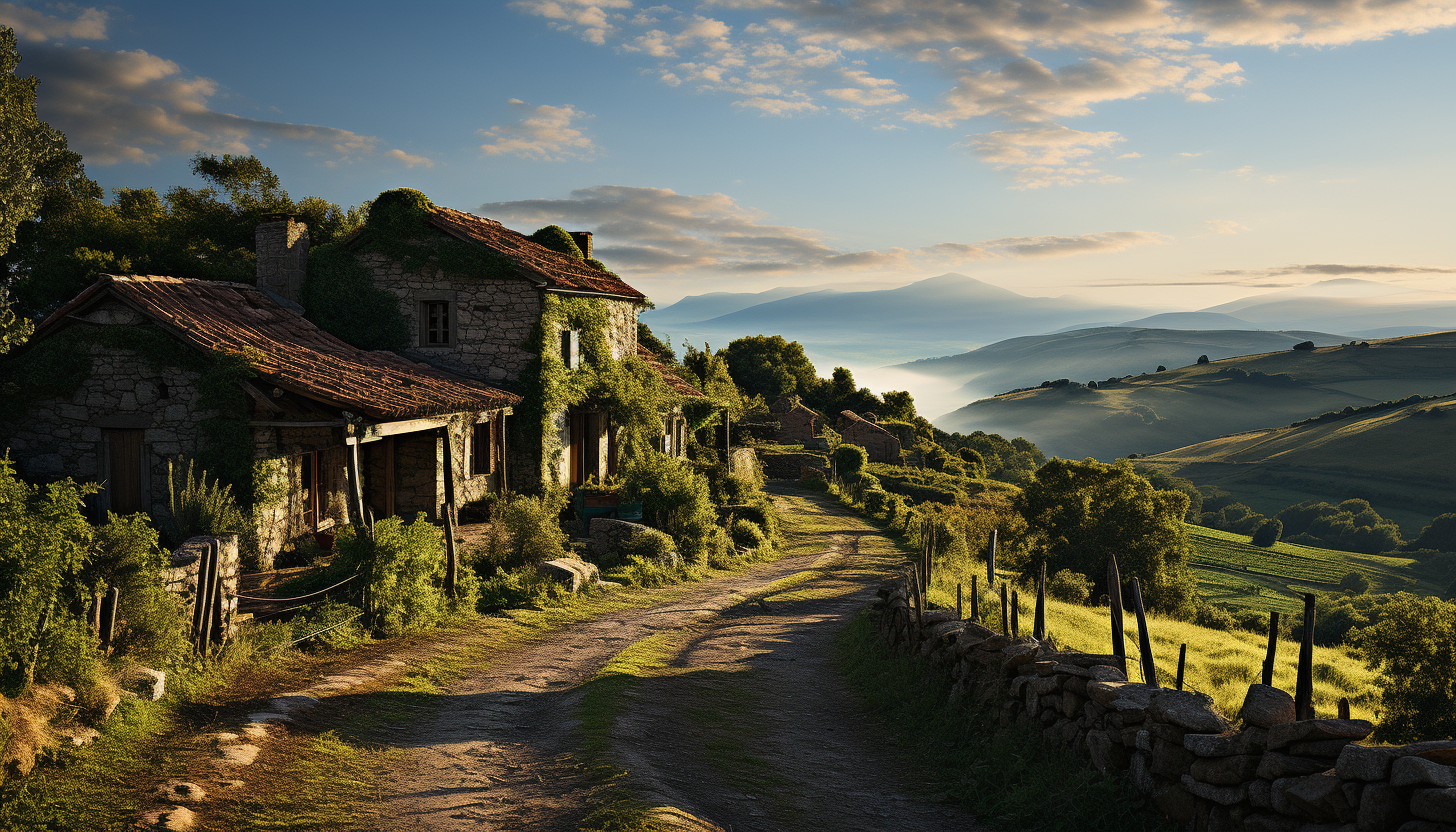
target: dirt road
<point>724,704</point>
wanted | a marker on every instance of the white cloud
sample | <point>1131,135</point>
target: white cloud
<point>410,160</point>
<point>656,231</point>
<point>39,27</point>
<point>996,56</point>
<point>545,133</point>
<point>1046,155</point>
<point>134,106</point>
<point>1225,226</point>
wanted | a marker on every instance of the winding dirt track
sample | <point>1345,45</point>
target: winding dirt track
<point>747,727</point>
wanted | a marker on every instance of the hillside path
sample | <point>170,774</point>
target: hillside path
<point>739,719</point>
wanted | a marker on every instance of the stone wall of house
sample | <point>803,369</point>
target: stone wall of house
<point>622,328</point>
<point>418,459</point>
<point>493,323</point>
<point>880,444</point>
<point>1272,774</point>
<point>60,438</point>
<point>279,514</point>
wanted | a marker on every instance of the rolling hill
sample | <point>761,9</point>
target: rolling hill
<point>1401,458</point>
<point>1157,412</point>
<point>1097,354</point>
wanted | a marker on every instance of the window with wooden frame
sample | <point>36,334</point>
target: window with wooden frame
<point>437,323</point>
<point>482,448</point>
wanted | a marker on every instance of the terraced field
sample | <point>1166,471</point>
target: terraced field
<point>1234,572</point>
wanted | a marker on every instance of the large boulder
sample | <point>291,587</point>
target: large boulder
<point>1188,710</point>
<point>1266,706</point>
<point>569,572</point>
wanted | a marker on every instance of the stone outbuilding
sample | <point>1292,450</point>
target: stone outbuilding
<point>880,444</point>
<point>310,431</point>
<point>798,425</point>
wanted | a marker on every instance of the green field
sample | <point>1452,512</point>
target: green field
<point>1233,572</point>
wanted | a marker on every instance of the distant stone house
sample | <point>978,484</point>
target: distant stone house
<point>798,425</point>
<point>483,318</point>
<point>315,431</point>
<point>880,444</point>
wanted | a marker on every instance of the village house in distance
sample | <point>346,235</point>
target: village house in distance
<point>490,330</point>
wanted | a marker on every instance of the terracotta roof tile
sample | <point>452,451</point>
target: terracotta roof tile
<point>677,383</point>
<point>289,350</point>
<point>556,270</point>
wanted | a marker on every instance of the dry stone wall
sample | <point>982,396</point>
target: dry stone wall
<point>1272,773</point>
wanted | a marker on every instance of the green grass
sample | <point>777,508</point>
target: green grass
<point>1011,777</point>
<point>1234,572</point>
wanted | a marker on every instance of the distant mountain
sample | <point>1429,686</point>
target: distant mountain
<point>1156,412</point>
<point>1345,305</point>
<point>1097,354</point>
<point>939,315</point>
<point>714,304</point>
<point>1191,320</point>
<point>1400,458</point>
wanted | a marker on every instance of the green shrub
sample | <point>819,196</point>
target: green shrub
<point>849,459</point>
<point>68,655</point>
<point>815,481</point>
<point>877,500</point>
<point>1214,617</point>
<point>516,588</point>
<point>402,566</point>
<point>637,571</point>
<point>863,479</point>
<point>748,535</point>
<point>525,532</point>
<point>1069,586</point>
<point>332,625</point>
<point>1414,647</point>
<point>677,500</point>
<point>197,507</point>
<point>975,464</point>
<point>651,545</point>
<point>152,622</point>
<point>1355,582</point>
<point>1268,533</point>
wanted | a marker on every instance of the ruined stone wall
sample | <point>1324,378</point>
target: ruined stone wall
<point>1270,774</point>
<point>60,438</point>
<point>790,466</point>
<point>180,578</point>
<point>278,516</point>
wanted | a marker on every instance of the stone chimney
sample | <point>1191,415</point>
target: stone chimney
<point>583,242</point>
<point>282,246</point>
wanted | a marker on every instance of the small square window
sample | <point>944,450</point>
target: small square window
<point>435,323</point>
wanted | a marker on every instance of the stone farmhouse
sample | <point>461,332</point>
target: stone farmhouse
<point>147,369</point>
<point>880,444</point>
<point>798,425</point>
<point>484,316</point>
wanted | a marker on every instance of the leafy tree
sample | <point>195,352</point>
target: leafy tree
<point>659,348</point>
<point>1163,481</point>
<point>974,463</point>
<point>1268,533</point>
<point>1355,582</point>
<point>1069,586</point>
<point>898,405</point>
<point>849,460</point>
<point>1439,536</point>
<point>769,366</point>
<point>27,144</point>
<point>1080,514</point>
<point>1202,359</point>
<point>1414,648</point>
<point>1352,526</point>
<point>713,376</point>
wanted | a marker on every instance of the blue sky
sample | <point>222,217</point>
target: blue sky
<point>1131,151</point>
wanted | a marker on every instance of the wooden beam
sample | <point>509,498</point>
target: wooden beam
<point>452,561</point>
<point>376,432</point>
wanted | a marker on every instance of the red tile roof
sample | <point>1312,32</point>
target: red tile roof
<point>552,269</point>
<point>677,383</point>
<point>287,350</point>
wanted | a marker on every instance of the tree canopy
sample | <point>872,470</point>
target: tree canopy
<point>770,366</point>
<point>1414,647</point>
<point>1080,514</point>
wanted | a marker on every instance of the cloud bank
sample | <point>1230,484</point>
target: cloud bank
<point>660,231</point>
<point>545,133</point>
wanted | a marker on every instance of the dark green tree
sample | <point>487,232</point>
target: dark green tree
<point>1080,514</point>
<point>1440,535</point>
<point>974,463</point>
<point>899,405</point>
<point>1268,533</point>
<point>1414,648</point>
<point>769,366</point>
<point>1355,582</point>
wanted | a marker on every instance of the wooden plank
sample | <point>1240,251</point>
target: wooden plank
<point>1273,646</point>
<point>991,560</point>
<point>1015,614</point>
<point>1304,681</point>
<point>1182,657</point>
<point>975,600</point>
<point>1145,644</point>
<point>376,432</point>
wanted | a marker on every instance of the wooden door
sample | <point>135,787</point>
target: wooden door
<point>126,494</point>
<point>577,449</point>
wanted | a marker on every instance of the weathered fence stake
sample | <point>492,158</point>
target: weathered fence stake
<point>452,559</point>
<point>200,600</point>
<point>1273,646</point>
<point>108,618</point>
<point>975,600</point>
<point>1182,656</point>
<point>1145,645</point>
<point>1344,708</point>
<point>991,560</point>
<point>1038,625</point>
<point>1015,615</point>
<point>211,613</point>
<point>1304,682</point>
<point>1114,597</point>
<point>959,617</point>
<point>1005,622</point>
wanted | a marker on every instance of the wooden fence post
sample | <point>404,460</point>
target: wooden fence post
<point>1005,622</point>
<point>975,601</point>
<point>1145,645</point>
<point>1344,708</point>
<point>1273,646</point>
<point>959,617</point>
<point>108,618</point>
<point>1114,597</point>
<point>1182,656</point>
<point>1038,622</point>
<point>991,560</point>
<point>452,560</point>
<point>1015,615</point>
<point>201,600</point>
<point>1304,682</point>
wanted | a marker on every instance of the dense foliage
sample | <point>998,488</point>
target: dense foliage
<point>403,566</point>
<point>1414,647</point>
<point>1081,514</point>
